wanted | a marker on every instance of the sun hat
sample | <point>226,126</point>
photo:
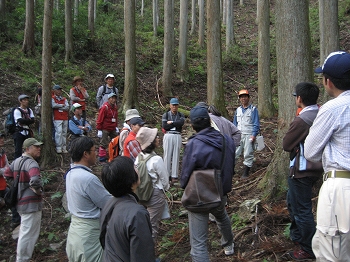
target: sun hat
<point>137,121</point>
<point>75,106</point>
<point>109,76</point>
<point>145,136</point>
<point>31,142</point>
<point>174,101</point>
<point>198,112</point>
<point>336,65</point>
<point>76,78</point>
<point>131,113</point>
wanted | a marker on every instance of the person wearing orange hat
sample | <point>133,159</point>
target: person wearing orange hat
<point>246,118</point>
<point>78,93</point>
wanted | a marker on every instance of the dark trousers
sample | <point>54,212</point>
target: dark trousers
<point>19,139</point>
<point>16,218</point>
<point>303,226</point>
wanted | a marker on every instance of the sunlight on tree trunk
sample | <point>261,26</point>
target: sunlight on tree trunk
<point>48,151</point>
<point>265,104</point>
<point>294,65</point>
<point>182,66</point>
<point>168,48</point>
<point>215,90</point>
<point>28,41</point>
<point>329,32</point>
<point>130,87</point>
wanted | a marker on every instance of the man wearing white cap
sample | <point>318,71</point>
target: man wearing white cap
<point>78,126</point>
<point>60,108</point>
<point>105,90</point>
<point>328,140</point>
<point>130,113</point>
<point>23,117</point>
<point>106,124</point>
<point>30,202</point>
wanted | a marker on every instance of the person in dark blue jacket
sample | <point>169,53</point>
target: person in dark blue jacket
<point>204,151</point>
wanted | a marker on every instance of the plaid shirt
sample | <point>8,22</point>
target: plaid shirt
<point>329,136</point>
<point>134,148</point>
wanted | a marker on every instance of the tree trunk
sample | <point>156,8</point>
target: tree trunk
<point>329,32</point>
<point>91,22</point>
<point>130,88</point>
<point>193,17</point>
<point>241,2</point>
<point>294,65</point>
<point>3,27</point>
<point>168,48</point>
<point>215,90</point>
<point>68,31</point>
<point>230,37</point>
<point>48,150</point>
<point>182,66</point>
<point>265,104</point>
<point>142,7</point>
<point>28,42</point>
<point>76,9</point>
<point>201,23</point>
<point>155,18</point>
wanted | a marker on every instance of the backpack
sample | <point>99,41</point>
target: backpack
<point>105,90</point>
<point>11,197</point>
<point>113,148</point>
<point>9,123</point>
<point>145,189</point>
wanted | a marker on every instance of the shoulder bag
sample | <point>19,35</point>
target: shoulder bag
<point>204,189</point>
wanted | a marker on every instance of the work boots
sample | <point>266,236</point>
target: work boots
<point>246,172</point>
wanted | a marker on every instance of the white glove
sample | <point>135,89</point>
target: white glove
<point>99,133</point>
<point>117,129</point>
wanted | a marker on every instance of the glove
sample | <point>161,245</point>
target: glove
<point>99,133</point>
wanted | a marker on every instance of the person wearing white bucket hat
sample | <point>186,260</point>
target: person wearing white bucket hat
<point>104,90</point>
<point>129,114</point>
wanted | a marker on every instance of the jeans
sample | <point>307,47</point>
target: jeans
<point>303,226</point>
<point>198,225</point>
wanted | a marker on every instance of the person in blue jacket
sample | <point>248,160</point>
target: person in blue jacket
<point>204,151</point>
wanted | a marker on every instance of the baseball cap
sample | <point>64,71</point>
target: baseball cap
<point>243,92</point>
<point>109,76</point>
<point>56,87</point>
<point>335,65</point>
<point>137,121</point>
<point>131,113</point>
<point>22,97</point>
<point>145,136</point>
<point>202,104</point>
<point>174,101</point>
<point>111,95</point>
<point>31,142</point>
<point>198,112</point>
<point>75,106</point>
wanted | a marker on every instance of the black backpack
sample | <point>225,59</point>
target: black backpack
<point>10,197</point>
<point>10,125</point>
<point>105,90</point>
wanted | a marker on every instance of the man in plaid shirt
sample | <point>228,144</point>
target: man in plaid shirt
<point>131,146</point>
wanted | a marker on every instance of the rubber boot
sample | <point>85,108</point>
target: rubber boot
<point>246,172</point>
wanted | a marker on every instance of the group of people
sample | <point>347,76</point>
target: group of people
<point>109,224</point>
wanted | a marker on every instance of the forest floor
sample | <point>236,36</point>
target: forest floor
<point>260,237</point>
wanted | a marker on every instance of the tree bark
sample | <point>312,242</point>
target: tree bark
<point>182,66</point>
<point>130,88</point>
<point>294,65</point>
<point>68,31</point>
<point>168,48</point>
<point>28,42</point>
<point>265,105</point>
<point>329,32</point>
<point>48,150</point>
<point>193,17</point>
<point>91,22</point>
<point>155,17</point>
<point>201,24</point>
<point>230,37</point>
<point>215,90</point>
<point>76,9</point>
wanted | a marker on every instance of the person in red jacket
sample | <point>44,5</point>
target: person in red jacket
<point>60,108</point>
<point>78,94</point>
<point>107,125</point>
